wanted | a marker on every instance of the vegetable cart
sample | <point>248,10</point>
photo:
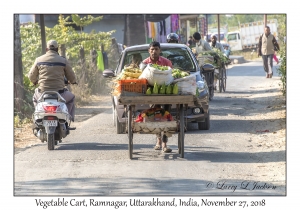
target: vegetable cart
<point>176,126</point>
<point>220,61</point>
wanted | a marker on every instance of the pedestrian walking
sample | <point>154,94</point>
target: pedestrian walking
<point>267,46</point>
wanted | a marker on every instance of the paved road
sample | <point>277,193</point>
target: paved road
<point>94,160</point>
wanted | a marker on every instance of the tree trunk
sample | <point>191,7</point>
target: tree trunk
<point>19,94</point>
<point>63,50</point>
<point>82,63</point>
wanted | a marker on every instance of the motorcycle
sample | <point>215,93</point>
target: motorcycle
<point>51,118</point>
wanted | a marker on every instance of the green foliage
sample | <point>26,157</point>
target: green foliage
<point>281,18</point>
<point>65,34</point>
<point>219,57</point>
<point>17,121</point>
<point>20,122</point>
<point>84,21</point>
<point>31,45</point>
<point>282,68</point>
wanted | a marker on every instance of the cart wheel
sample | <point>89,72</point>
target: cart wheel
<point>130,134</point>
<point>179,142</point>
<point>211,88</point>
<point>221,80</point>
<point>211,92</point>
<point>181,131</point>
<point>224,79</point>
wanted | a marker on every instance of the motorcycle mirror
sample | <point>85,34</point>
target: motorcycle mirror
<point>108,73</point>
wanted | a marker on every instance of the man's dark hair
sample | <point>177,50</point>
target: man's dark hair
<point>197,36</point>
<point>154,44</point>
<point>53,48</point>
<point>267,27</point>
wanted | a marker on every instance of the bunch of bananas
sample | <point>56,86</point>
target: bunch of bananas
<point>133,70</point>
<point>130,73</point>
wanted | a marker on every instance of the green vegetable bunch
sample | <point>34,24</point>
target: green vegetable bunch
<point>159,67</point>
<point>218,55</point>
<point>177,73</point>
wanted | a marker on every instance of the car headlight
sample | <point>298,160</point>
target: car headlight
<point>200,85</point>
<point>196,110</point>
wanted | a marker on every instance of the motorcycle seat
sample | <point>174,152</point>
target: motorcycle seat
<point>207,67</point>
<point>50,96</point>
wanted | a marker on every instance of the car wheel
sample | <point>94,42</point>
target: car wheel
<point>119,126</point>
<point>206,124</point>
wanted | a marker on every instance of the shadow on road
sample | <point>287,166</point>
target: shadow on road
<point>145,152</point>
<point>230,126</point>
<point>133,186</point>
<point>250,92</point>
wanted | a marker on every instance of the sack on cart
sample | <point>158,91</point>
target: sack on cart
<point>155,75</point>
<point>187,85</point>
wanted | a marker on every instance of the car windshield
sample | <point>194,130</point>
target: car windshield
<point>221,36</point>
<point>180,58</point>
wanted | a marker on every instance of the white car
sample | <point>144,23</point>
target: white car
<point>181,57</point>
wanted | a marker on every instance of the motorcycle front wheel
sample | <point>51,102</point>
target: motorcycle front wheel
<point>50,141</point>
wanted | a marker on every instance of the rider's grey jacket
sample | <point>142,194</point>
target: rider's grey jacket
<point>49,70</point>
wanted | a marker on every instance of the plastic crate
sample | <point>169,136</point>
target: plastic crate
<point>133,85</point>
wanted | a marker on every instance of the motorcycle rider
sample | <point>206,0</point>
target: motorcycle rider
<point>173,38</point>
<point>49,72</point>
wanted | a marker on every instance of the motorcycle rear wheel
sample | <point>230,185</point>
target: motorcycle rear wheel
<point>50,141</point>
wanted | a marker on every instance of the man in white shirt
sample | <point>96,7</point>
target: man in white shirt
<point>201,45</point>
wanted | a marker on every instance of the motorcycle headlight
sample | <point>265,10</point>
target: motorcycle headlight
<point>196,110</point>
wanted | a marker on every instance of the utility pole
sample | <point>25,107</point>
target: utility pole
<point>145,27</point>
<point>219,27</point>
<point>265,20</point>
<point>206,16</point>
<point>43,34</point>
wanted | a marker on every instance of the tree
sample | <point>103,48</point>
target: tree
<point>84,21</point>
<point>18,71</point>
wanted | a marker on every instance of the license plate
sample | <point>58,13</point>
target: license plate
<point>50,123</point>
